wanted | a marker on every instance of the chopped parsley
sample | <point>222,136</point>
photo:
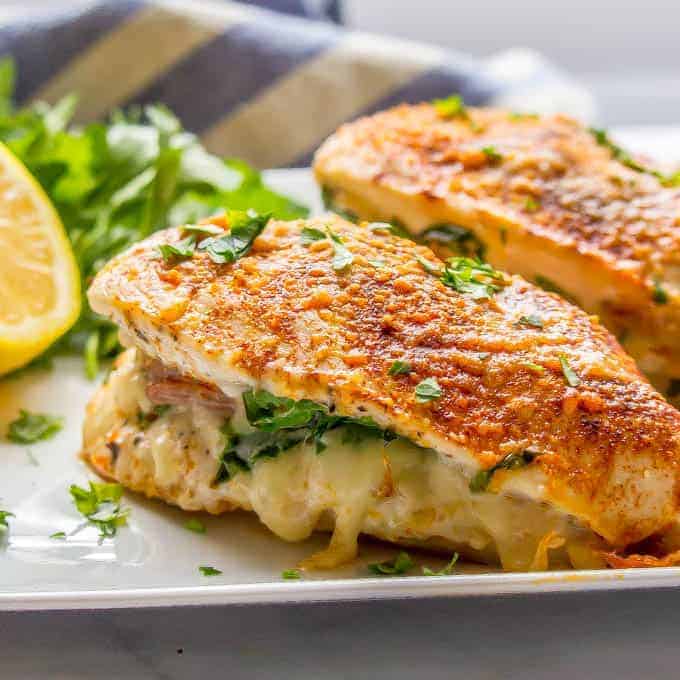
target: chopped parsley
<point>446,571</point>
<point>568,372</point>
<point>100,505</point>
<point>4,514</point>
<point>451,107</point>
<point>58,535</point>
<point>428,390</point>
<point>176,252</point>
<point>512,461</point>
<point>532,204</point>
<point>472,277</point>
<point>623,157</point>
<point>659,295</point>
<point>492,155</point>
<point>342,258</point>
<point>310,234</point>
<point>195,525</point>
<point>400,368</point>
<point>281,423</point>
<point>291,574</point>
<point>29,428</point>
<point>536,368</point>
<point>457,239</point>
<point>602,138</point>
<point>209,571</point>
<point>531,320</point>
<point>399,565</point>
<point>245,227</point>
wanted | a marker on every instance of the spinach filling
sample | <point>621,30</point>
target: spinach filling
<point>512,461</point>
<point>280,424</point>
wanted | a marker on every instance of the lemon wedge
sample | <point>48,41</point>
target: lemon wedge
<point>39,279</point>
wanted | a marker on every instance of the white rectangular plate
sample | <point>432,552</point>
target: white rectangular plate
<point>154,561</point>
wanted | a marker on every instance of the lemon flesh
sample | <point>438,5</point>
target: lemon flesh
<point>39,279</point>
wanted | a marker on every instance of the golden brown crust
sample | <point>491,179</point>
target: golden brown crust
<point>285,317</point>
<point>551,183</point>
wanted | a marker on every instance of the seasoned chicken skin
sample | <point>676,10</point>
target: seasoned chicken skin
<point>515,371</point>
<point>540,196</point>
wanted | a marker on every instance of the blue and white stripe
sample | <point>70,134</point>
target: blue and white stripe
<point>255,84</point>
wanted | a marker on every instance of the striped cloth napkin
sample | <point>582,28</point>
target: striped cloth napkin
<point>255,84</point>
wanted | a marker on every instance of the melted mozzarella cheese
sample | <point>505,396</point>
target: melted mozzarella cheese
<point>397,492</point>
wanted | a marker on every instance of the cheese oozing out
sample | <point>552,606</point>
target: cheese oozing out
<point>394,490</point>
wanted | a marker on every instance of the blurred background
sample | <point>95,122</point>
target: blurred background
<point>626,52</point>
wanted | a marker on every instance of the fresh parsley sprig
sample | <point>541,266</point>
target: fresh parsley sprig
<point>245,227</point>
<point>621,155</point>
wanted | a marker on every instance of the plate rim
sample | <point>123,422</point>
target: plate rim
<point>339,590</point>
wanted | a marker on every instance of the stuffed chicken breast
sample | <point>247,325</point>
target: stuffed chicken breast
<point>538,196</point>
<point>333,376</point>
